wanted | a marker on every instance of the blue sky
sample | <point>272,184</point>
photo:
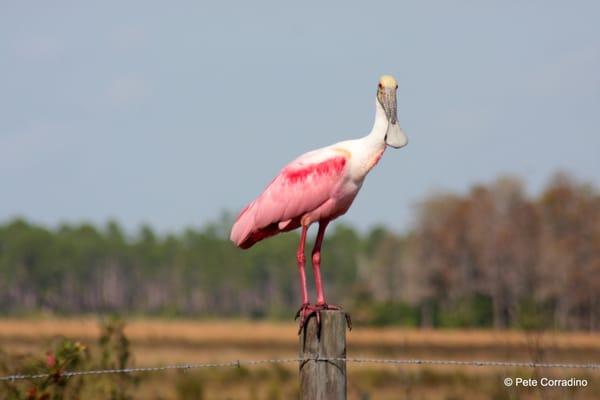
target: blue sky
<point>171,115</point>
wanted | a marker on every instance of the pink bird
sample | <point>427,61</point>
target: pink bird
<point>319,186</point>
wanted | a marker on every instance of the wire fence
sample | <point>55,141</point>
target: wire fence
<point>357,360</point>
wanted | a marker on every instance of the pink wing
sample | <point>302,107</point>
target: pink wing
<point>301,187</point>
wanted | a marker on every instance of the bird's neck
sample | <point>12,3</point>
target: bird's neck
<point>372,146</point>
<point>376,138</point>
<point>374,142</point>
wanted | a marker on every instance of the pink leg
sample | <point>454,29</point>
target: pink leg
<point>306,310</point>
<point>301,261</point>
<point>316,261</point>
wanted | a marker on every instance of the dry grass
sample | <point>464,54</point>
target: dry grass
<point>156,341</point>
<point>151,330</point>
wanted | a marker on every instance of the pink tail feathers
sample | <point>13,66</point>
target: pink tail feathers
<point>243,225</point>
<point>245,232</point>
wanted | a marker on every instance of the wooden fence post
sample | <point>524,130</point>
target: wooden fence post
<point>323,380</point>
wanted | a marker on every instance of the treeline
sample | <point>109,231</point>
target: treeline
<point>494,256</point>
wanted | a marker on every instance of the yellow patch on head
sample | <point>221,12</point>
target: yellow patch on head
<point>388,81</point>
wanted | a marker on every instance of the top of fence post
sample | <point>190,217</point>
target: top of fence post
<point>323,373</point>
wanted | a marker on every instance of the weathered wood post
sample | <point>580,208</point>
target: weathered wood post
<point>323,380</point>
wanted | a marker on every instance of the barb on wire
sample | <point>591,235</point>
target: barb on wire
<point>358,360</point>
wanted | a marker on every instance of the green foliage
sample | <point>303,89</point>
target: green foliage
<point>67,355</point>
<point>382,314</point>
<point>190,386</point>
<point>532,315</point>
<point>474,312</point>
<point>115,354</point>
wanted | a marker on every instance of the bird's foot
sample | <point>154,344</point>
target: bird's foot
<point>307,310</point>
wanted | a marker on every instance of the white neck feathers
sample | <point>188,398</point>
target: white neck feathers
<point>376,137</point>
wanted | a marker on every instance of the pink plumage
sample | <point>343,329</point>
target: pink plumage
<point>310,187</point>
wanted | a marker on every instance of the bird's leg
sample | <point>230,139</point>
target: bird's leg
<point>316,262</point>
<point>307,310</point>
<point>301,258</point>
<point>304,310</point>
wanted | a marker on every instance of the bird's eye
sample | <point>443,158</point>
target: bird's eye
<point>396,86</point>
<point>380,86</point>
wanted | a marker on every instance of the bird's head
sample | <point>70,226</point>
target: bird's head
<point>386,96</point>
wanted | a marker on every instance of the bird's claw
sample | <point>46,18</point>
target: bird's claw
<point>302,308</point>
<point>304,312</point>
<point>307,310</point>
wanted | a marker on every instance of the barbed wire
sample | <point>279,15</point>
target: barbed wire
<point>358,360</point>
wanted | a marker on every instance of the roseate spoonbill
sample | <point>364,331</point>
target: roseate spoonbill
<point>319,186</point>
